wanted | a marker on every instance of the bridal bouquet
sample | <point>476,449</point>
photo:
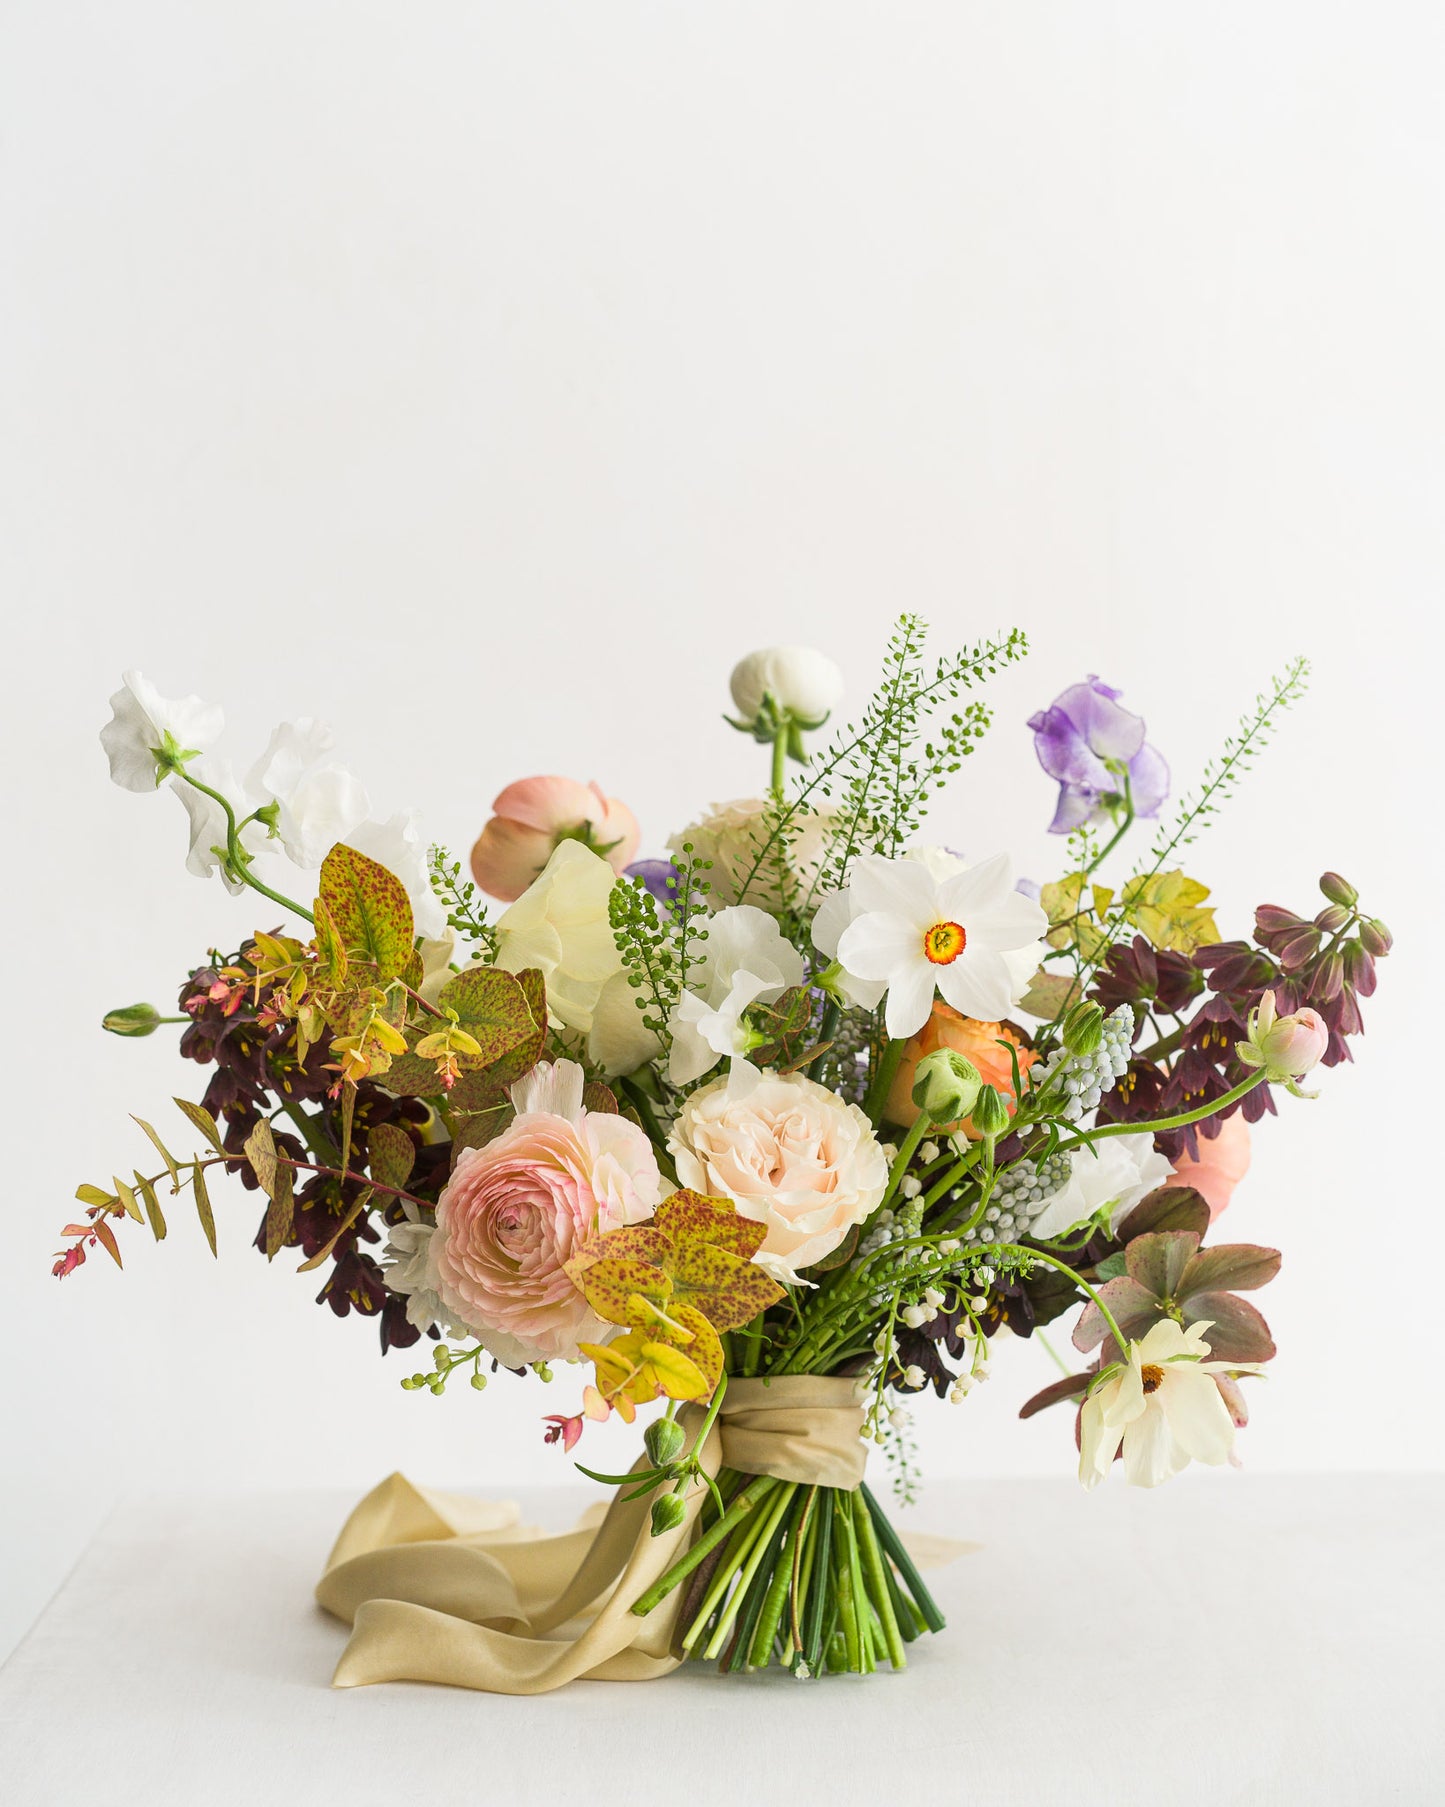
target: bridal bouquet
<point>806,1115</point>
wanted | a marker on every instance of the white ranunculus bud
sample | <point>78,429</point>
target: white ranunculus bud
<point>803,685</point>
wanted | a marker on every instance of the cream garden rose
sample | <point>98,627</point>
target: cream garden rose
<point>732,835</point>
<point>789,1154</point>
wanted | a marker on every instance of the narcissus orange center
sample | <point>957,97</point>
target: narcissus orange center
<point>944,942</point>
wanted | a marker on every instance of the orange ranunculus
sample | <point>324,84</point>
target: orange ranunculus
<point>976,1041</point>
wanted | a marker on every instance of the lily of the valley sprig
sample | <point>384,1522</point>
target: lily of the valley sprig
<point>805,1089</point>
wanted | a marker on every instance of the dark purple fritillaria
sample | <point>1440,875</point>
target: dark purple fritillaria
<point>1087,741</point>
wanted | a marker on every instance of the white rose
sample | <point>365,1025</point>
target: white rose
<point>144,724</point>
<point>789,1154</point>
<point>1118,1172</point>
<point>732,835</point>
<point>804,684</point>
<point>560,926</point>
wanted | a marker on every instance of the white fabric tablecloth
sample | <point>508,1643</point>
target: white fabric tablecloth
<point>1229,1639</point>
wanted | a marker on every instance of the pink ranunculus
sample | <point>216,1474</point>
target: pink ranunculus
<point>517,1209</point>
<point>531,816</point>
<point>1287,1047</point>
<point>1222,1164</point>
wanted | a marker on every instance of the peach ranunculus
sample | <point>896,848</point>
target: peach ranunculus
<point>532,816</point>
<point>517,1209</point>
<point>789,1154</point>
<point>976,1041</point>
<point>1222,1164</point>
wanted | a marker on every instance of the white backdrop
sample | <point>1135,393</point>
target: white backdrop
<point>486,378</point>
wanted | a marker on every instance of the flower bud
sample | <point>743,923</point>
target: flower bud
<point>1376,937</point>
<point>663,1439</point>
<point>786,683</point>
<point>1339,890</point>
<point>945,1086</point>
<point>134,1019</point>
<point>1083,1028</point>
<point>990,1113</point>
<point>668,1512</point>
<point>1333,919</point>
<point>1287,1047</point>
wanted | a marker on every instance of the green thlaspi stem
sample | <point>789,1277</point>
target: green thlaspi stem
<point>916,1132</point>
<point>873,1571</point>
<point>762,1537</point>
<point>237,859</point>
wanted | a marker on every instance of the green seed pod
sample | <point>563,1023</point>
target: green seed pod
<point>663,1440</point>
<point>479,1381</point>
<point>668,1512</point>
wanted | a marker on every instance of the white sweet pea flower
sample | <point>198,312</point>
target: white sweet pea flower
<point>746,960</point>
<point>149,734</point>
<point>1162,1403</point>
<point>208,819</point>
<point>903,931</point>
<point>319,802</point>
<point>398,845</point>
<point>801,683</point>
<point>1118,1171</point>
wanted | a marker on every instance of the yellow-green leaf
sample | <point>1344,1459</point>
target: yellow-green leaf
<point>204,1121</point>
<point>94,1195</point>
<point>390,1154</point>
<point>203,1204</point>
<point>679,1377</point>
<point>280,1214</point>
<point>164,1153</point>
<point>260,1149</point>
<point>153,1207</point>
<point>128,1199</point>
<point>369,910</point>
<point>1166,909</point>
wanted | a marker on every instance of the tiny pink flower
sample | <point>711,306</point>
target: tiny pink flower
<point>562,1430</point>
<point>532,816</point>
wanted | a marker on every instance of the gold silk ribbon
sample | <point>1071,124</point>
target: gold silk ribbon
<point>440,1588</point>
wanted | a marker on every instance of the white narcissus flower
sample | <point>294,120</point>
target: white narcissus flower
<point>900,930</point>
<point>802,683</point>
<point>146,729</point>
<point>1162,1403</point>
<point>208,819</point>
<point>319,801</point>
<point>790,1154</point>
<point>560,926</point>
<point>398,845</point>
<point>745,960</point>
<point>1118,1171</point>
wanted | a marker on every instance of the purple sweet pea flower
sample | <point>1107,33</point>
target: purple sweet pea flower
<point>1087,742</point>
<point>655,875</point>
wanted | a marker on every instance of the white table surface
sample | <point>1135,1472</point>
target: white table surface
<point>1229,1639</point>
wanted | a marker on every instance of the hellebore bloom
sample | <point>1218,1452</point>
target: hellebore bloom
<point>1091,744</point>
<point>1162,1404</point>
